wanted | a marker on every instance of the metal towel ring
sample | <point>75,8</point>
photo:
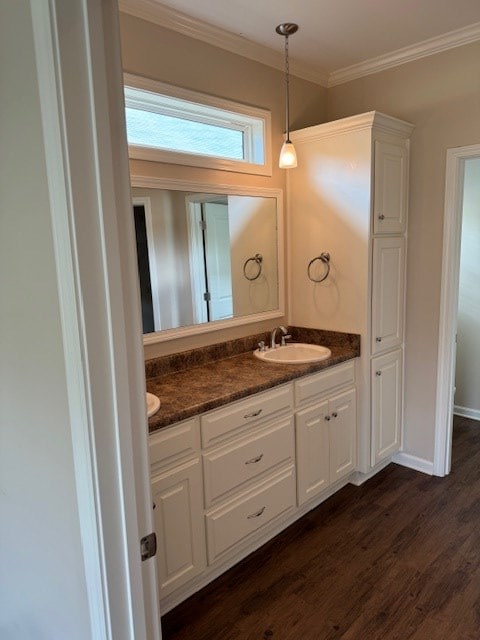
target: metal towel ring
<point>258,259</point>
<point>325,258</point>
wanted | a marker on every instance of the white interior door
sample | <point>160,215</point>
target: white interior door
<point>217,260</point>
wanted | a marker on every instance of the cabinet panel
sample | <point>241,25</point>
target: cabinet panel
<point>219,425</point>
<point>390,193</point>
<point>315,387</point>
<point>237,520</point>
<point>178,515</point>
<point>386,405</point>
<point>388,293</point>
<point>173,443</point>
<point>343,413</point>
<point>313,456</point>
<point>229,467</point>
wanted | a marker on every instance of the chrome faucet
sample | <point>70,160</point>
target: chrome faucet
<point>273,345</point>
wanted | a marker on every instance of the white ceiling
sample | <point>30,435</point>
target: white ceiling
<point>336,38</point>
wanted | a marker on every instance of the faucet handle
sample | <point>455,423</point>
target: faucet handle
<point>284,338</point>
<point>261,345</point>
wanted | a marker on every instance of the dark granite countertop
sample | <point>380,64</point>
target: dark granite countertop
<point>212,381</point>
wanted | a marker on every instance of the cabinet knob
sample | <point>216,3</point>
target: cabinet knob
<point>327,418</point>
<point>154,506</point>
<point>378,373</point>
<point>378,339</point>
<point>334,414</point>
<point>381,216</point>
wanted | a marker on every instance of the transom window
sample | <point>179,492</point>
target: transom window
<point>169,124</point>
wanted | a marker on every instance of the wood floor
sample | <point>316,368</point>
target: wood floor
<point>395,559</point>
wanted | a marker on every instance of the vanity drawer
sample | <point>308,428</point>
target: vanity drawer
<point>174,443</point>
<point>219,425</point>
<point>231,466</point>
<point>231,524</point>
<point>311,388</point>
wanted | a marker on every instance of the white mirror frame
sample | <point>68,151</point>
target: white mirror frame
<point>206,187</point>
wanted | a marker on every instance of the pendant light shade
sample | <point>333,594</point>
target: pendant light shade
<point>288,155</point>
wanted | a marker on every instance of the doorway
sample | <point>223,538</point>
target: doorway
<point>457,170</point>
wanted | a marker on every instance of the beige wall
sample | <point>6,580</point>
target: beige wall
<point>440,95</point>
<point>467,374</point>
<point>164,55</point>
<point>253,229</point>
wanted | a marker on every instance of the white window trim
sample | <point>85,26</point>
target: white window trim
<point>137,152</point>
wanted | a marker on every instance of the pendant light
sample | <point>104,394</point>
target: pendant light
<point>288,156</point>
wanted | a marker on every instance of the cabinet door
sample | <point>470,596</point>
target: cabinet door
<point>388,293</point>
<point>313,466</point>
<point>343,434</point>
<point>390,194</point>
<point>177,496</point>
<point>386,405</point>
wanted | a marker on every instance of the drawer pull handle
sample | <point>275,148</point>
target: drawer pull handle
<point>327,418</point>
<point>334,414</point>
<point>254,414</point>
<point>257,514</point>
<point>254,460</point>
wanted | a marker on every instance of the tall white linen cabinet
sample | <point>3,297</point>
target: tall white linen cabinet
<point>348,197</point>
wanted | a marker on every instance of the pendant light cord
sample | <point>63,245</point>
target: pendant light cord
<point>287,91</point>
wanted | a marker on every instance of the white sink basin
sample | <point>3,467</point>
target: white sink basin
<point>294,353</point>
<point>153,404</point>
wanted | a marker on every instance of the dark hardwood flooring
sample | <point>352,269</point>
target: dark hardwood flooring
<point>395,559</point>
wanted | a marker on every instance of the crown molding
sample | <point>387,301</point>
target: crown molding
<point>159,14</point>
<point>369,120</point>
<point>429,47</point>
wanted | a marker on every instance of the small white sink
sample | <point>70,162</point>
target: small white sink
<point>294,353</point>
<point>153,404</point>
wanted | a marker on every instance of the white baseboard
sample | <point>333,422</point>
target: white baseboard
<point>359,477</point>
<point>465,412</point>
<point>413,462</point>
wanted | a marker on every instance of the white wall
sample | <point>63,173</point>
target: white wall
<point>41,566</point>
<point>467,374</point>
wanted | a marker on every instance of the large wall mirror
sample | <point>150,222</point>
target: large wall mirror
<point>208,256</point>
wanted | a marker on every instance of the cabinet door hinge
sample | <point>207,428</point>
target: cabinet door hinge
<point>206,296</point>
<point>148,546</point>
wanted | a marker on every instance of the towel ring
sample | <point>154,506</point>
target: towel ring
<point>325,258</point>
<point>258,259</point>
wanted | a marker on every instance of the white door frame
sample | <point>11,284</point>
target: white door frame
<point>77,53</point>
<point>452,232</point>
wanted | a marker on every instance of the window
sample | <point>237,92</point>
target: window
<point>168,124</point>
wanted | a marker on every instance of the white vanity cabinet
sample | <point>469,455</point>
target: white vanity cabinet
<point>249,468</point>
<point>388,293</point>
<point>390,187</point>
<point>325,432</point>
<point>386,384</point>
<point>178,505</point>
<point>349,197</point>
<point>225,482</point>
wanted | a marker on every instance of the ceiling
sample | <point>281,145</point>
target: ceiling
<point>337,39</point>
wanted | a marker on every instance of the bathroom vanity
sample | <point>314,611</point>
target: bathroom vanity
<point>264,444</point>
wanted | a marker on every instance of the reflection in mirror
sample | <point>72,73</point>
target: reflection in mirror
<point>204,257</point>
